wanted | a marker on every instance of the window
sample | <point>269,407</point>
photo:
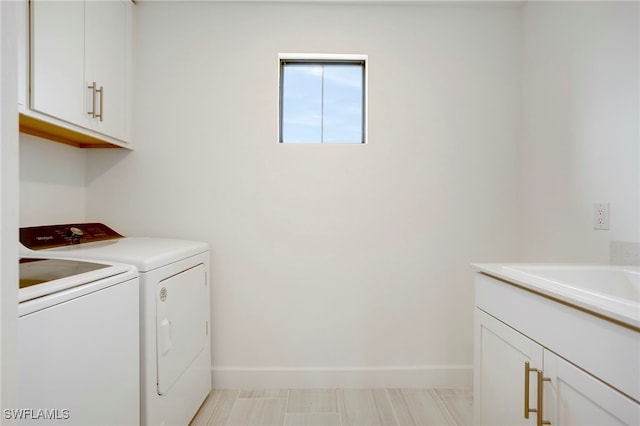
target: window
<point>322,99</point>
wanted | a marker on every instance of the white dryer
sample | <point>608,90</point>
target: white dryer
<point>174,310</point>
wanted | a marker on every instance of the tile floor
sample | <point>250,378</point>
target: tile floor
<point>336,407</point>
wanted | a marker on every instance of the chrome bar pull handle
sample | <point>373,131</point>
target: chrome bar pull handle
<point>527,371</point>
<point>541,380</point>
<point>101,91</point>
<point>92,113</point>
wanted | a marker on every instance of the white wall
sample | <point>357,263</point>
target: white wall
<point>581,141</point>
<point>357,256</point>
<point>350,258</point>
<point>52,182</point>
<point>8,204</point>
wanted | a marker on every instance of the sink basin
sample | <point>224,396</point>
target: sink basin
<point>608,290</point>
<point>618,282</point>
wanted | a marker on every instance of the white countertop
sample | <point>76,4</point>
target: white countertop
<point>608,290</point>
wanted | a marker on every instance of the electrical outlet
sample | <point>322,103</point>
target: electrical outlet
<point>601,216</point>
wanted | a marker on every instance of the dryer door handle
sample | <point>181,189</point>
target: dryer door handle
<point>165,336</point>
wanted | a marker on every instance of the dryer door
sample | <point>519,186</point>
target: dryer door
<point>181,323</point>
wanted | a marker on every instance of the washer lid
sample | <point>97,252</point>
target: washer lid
<point>38,271</point>
<point>145,253</point>
<point>41,277</point>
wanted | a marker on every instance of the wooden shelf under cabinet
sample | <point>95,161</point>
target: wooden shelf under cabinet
<point>36,127</point>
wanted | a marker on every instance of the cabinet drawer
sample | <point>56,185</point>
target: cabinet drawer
<point>608,350</point>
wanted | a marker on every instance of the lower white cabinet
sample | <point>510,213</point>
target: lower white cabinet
<point>501,356</point>
<point>574,397</point>
<point>512,370</point>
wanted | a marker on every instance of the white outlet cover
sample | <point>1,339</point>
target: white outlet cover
<point>601,216</point>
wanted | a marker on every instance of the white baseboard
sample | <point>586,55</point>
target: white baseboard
<point>424,376</point>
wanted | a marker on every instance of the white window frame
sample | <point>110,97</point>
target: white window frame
<point>328,58</point>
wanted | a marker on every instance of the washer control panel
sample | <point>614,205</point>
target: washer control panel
<point>42,237</point>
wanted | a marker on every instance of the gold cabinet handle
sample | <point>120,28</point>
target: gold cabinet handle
<point>527,371</point>
<point>541,380</point>
<point>92,113</point>
<point>101,91</point>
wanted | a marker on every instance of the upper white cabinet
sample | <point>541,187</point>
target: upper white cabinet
<point>106,65</point>
<point>79,79</point>
<point>57,60</point>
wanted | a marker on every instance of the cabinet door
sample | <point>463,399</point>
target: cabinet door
<point>57,59</point>
<point>499,373</point>
<point>106,49</point>
<point>574,397</point>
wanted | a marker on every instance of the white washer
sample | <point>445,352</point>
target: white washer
<point>174,310</point>
<point>78,344</point>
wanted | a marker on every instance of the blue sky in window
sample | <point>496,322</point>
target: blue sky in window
<point>308,118</point>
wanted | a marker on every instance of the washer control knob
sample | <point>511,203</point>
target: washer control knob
<point>76,233</point>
